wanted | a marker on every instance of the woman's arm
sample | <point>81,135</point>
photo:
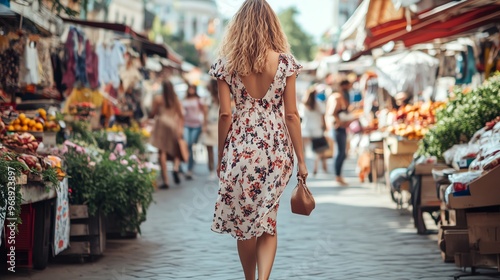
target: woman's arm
<point>180,127</point>
<point>154,109</point>
<point>292,119</point>
<point>225,118</point>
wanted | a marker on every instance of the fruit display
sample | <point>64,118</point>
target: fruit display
<point>413,121</point>
<point>31,161</point>
<point>462,116</point>
<point>21,141</point>
<point>56,162</point>
<point>82,109</point>
<point>40,123</point>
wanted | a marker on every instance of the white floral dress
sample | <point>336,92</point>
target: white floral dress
<point>257,160</point>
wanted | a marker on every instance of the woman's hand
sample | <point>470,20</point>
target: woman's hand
<point>303,170</point>
<point>218,170</point>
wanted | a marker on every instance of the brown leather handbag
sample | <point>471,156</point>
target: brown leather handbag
<point>302,199</point>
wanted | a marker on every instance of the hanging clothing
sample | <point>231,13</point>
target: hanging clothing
<point>110,60</point>
<point>28,70</point>
<point>10,60</point>
<point>466,66</point>
<point>70,59</point>
<point>58,72</point>
<point>47,72</point>
<point>92,65</point>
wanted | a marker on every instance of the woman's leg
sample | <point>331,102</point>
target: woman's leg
<point>163,166</point>
<point>193,135</point>
<point>247,250</point>
<point>341,141</point>
<point>266,251</point>
<point>210,152</point>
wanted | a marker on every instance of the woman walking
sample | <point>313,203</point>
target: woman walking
<point>193,121</point>
<point>337,118</point>
<point>257,142</point>
<point>168,129</point>
<point>211,126</point>
<point>313,124</point>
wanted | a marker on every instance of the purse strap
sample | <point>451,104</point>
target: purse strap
<point>301,178</point>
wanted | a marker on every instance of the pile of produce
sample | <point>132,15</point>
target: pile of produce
<point>21,142</point>
<point>413,121</point>
<point>41,122</point>
<point>83,109</point>
<point>462,117</point>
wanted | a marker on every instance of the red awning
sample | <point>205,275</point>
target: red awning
<point>147,46</point>
<point>448,20</point>
<point>433,25</point>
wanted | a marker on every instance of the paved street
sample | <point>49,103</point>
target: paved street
<point>354,233</point>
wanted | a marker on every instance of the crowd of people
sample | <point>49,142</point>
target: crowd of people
<point>191,120</point>
<point>326,114</point>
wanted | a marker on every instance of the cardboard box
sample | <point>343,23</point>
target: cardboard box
<point>456,241</point>
<point>485,191</point>
<point>484,232</point>
<point>397,146</point>
<point>428,192</point>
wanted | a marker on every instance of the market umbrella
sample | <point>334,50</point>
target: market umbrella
<point>409,71</point>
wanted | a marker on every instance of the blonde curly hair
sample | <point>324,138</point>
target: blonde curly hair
<point>254,30</point>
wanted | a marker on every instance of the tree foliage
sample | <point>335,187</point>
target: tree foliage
<point>301,43</point>
<point>176,41</point>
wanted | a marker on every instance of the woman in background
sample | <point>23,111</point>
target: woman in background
<point>211,126</point>
<point>313,124</point>
<point>193,122</point>
<point>168,129</point>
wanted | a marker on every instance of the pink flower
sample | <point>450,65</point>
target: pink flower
<point>119,149</point>
<point>124,162</point>
<point>129,168</point>
<point>92,164</point>
<point>112,157</point>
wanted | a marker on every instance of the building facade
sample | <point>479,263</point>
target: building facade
<point>188,18</point>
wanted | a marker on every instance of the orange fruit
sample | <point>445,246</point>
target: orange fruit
<point>17,127</point>
<point>39,127</point>
<point>22,116</point>
<point>32,123</point>
<point>10,128</point>
<point>16,121</point>
<point>25,121</point>
<point>24,128</point>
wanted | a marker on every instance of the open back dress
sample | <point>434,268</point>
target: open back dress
<point>258,156</point>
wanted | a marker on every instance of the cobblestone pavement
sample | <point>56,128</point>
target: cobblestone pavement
<point>354,233</point>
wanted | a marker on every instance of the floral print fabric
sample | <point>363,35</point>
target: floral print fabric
<point>257,160</point>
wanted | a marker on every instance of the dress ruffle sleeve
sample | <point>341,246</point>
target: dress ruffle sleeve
<point>293,67</point>
<point>218,71</point>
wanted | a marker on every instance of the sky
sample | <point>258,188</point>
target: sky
<point>315,15</point>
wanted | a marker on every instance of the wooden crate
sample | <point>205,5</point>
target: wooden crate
<point>113,230</point>
<point>87,233</point>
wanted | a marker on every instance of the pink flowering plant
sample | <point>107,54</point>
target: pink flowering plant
<point>114,182</point>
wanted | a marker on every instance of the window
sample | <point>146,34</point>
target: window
<point>117,16</point>
<point>132,20</point>
<point>124,20</point>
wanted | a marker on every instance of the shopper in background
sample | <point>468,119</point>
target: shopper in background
<point>193,122</point>
<point>168,129</point>
<point>211,126</point>
<point>313,126</point>
<point>337,118</point>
